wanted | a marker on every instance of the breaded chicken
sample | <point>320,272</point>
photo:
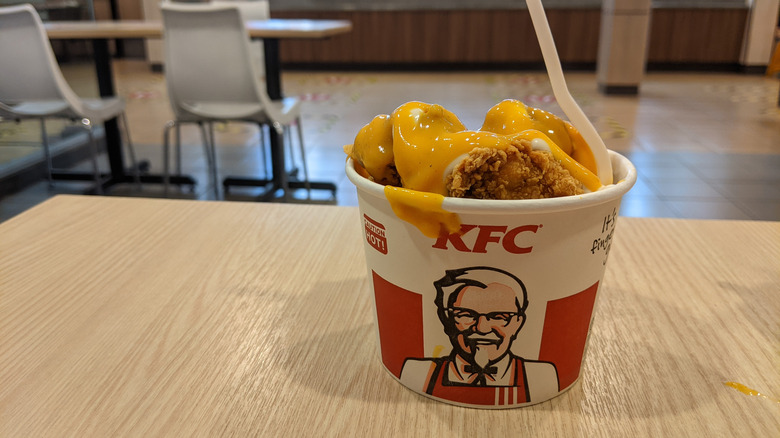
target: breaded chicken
<point>516,173</point>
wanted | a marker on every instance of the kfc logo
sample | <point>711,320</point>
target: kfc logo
<point>375,234</point>
<point>510,239</point>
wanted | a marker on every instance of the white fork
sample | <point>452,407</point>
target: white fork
<point>562,95</point>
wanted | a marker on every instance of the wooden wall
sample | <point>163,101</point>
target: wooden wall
<point>486,38</point>
<point>445,37</point>
<point>506,37</point>
<point>697,36</point>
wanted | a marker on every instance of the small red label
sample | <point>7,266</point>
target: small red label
<point>375,234</point>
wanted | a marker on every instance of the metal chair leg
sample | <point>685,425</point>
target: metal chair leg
<point>178,149</point>
<point>215,170</point>
<point>131,150</point>
<point>306,182</point>
<point>47,153</point>
<point>211,156</point>
<point>205,139</point>
<point>166,155</point>
<point>261,129</point>
<point>287,138</point>
<point>87,124</point>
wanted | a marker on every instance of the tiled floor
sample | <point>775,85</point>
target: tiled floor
<point>705,145</point>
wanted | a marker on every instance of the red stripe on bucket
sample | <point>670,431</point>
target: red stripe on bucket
<point>565,332</point>
<point>399,317</point>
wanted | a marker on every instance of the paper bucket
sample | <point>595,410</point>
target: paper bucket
<point>498,316</point>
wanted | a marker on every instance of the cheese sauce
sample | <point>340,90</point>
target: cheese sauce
<point>423,210</point>
<point>424,141</point>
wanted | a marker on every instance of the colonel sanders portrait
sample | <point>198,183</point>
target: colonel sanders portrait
<point>482,310</point>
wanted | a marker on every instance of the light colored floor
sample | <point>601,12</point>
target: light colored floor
<point>707,145</point>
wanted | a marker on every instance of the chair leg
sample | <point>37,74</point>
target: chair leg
<point>87,124</point>
<point>215,171</point>
<point>287,139</point>
<point>166,155</point>
<point>263,159</point>
<point>178,149</point>
<point>306,182</point>
<point>211,156</point>
<point>131,150</point>
<point>47,153</point>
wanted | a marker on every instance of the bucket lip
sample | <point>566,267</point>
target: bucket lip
<point>468,205</point>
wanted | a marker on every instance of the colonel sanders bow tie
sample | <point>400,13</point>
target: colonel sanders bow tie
<point>481,373</point>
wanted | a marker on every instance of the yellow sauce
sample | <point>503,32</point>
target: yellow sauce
<point>423,210</point>
<point>512,117</point>
<point>426,139</point>
<point>373,148</point>
<point>581,153</point>
<point>590,180</point>
<point>422,140</point>
<point>747,391</point>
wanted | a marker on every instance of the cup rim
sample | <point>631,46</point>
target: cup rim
<point>623,170</point>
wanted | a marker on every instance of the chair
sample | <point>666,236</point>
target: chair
<point>255,10</point>
<point>211,77</point>
<point>32,85</point>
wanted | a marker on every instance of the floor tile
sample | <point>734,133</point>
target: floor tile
<point>642,189</point>
<point>759,190</point>
<point>667,188</point>
<point>760,210</point>
<point>759,168</point>
<point>708,209</point>
<point>661,173</point>
<point>646,208</point>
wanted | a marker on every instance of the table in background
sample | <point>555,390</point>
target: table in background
<point>271,31</point>
<point>166,317</point>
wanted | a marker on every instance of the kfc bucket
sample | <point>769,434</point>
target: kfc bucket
<point>496,315</point>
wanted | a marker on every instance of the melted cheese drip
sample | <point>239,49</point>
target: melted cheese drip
<point>590,180</point>
<point>427,138</point>
<point>581,153</point>
<point>373,148</point>
<point>512,117</point>
<point>423,210</point>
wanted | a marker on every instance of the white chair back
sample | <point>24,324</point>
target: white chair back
<point>253,10</point>
<point>207,57</point>
<point>28,68</point>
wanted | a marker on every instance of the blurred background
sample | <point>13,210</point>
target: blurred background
<point>685,88</point>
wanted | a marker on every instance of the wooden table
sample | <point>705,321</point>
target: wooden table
<point>271,31</point>
<point>139,317</point>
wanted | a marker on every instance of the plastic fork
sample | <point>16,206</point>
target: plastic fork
<point>562,95</point>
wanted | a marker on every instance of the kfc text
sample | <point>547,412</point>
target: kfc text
<point>509,238</point>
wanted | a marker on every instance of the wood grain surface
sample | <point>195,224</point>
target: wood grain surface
<point>139,317</point>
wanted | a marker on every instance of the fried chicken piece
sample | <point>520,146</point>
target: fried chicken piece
<point>516,173</point>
